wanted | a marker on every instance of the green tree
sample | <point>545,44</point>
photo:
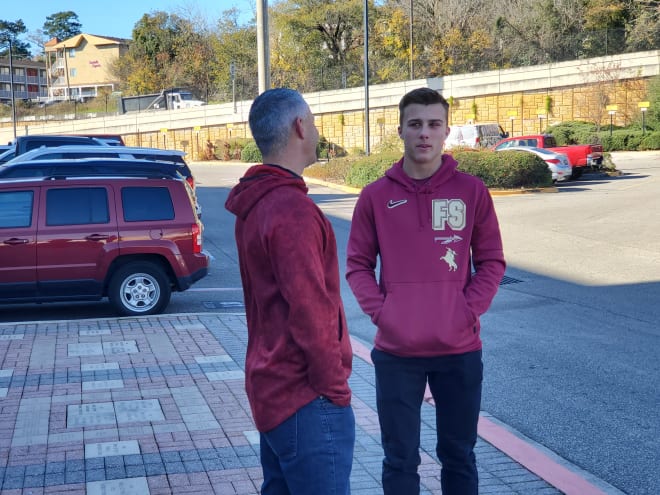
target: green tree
<point>653,113</point>
<point>153,62</point>
<point>9,33</point>
<point>326,35</point>
<point>234,45</point>
<point>62,25</point>
<point>644,26</point>
<point>390,41</point>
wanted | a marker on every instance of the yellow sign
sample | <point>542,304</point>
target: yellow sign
<point>380,120</point>
<point>197,128</point>
<point>512,113</point>
<point>644,104</point>
<point>163,130</point>
<point>229,126</point>
<point>612,108</point>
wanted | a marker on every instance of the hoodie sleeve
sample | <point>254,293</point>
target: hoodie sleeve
<point>487,256</point>
<point>362,257</point>
<point>300,240</point>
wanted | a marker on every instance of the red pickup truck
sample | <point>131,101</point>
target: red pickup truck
<point>579,155</point>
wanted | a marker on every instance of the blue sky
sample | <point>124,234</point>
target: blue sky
<point>115,18</point>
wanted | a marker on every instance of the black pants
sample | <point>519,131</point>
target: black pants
<point>455,382</point>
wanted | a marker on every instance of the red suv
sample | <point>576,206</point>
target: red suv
<point>131,239</point>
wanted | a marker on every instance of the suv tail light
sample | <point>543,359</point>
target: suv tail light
<point>552,160</point>
<point>190,180</point>
<point>196,238</point>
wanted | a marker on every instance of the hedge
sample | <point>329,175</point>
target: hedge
<point>502,169</point>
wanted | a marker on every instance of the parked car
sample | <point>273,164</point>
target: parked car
<point>23,144</point>
<point>98,161</point>
<point>125,152</point>
<point>132,239</point>
<point>579,156</point>
<point>474,136</point>
<point>557,162</point>
<point>95,167</point>
<point>109,139</point>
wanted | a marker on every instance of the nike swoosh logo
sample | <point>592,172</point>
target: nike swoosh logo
<point>394,204</point>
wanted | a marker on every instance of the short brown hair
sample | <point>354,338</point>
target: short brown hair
<point>423,96</point>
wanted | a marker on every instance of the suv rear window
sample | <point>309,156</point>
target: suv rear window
<point>16,209</point>
<point>147,203</point>
<point>77,206</point>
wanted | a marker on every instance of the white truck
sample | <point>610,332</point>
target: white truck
<point>169,99</point>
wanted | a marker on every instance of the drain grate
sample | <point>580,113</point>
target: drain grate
<point>509,280</point>
<point>222,304</point>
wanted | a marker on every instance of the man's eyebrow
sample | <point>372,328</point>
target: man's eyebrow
<point>432,121</point>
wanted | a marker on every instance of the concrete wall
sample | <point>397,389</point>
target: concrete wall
<point>522,100</point>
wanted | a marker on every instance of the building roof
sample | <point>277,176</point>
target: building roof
<point>22,62</point>
<point>90,38</point>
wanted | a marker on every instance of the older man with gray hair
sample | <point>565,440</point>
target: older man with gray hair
<point>299,354</point>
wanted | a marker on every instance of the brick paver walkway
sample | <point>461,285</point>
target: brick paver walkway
<point>156,406</point>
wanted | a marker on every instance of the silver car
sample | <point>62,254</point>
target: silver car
<point>557,162</point>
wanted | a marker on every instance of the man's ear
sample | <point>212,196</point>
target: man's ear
<point>299,128</point>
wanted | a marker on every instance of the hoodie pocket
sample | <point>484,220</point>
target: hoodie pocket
<point>425,318</point>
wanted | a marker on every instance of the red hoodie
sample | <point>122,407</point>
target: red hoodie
<point>298,343</point>
<point>428,236</point>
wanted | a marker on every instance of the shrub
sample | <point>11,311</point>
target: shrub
<point>621,139</point>
<point>251,153</point>
<point>574,132</point>
<point>651,141</point>
<point>500,169</point>
<point>367,169</point>
<point>328,150</point>
<point>334,170</point>
<point>506,169</point>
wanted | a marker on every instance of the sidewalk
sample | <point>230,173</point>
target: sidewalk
<point>156,405</point>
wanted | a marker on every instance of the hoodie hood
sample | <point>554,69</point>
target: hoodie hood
<point>445,172</point>
<point>258,181</point>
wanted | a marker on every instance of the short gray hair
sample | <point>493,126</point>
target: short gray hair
<point>272,115</point>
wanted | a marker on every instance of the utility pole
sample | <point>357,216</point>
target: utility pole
<point>263,51</point>
<point>366,77</point>
<point>11,87</point>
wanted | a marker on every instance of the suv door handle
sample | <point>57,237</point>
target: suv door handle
<point>14,241</point>
<point>97,237</point>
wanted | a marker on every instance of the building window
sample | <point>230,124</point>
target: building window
<point>73,71</point>
<point>4,71</point>
<point>19,71</point>
<point>72,53</point>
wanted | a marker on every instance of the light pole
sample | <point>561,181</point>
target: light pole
<point>611,109</point>
<point>232,73</point>
<point>644,106</point>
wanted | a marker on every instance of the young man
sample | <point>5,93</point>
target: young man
<point>299,353</point>
<point>430,225</point>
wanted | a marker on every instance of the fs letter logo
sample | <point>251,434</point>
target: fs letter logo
<point>448,212</point>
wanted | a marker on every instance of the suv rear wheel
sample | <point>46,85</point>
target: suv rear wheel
<point>139,288</point>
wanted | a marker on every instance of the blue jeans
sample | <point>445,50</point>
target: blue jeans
<point>455,382</point>
<point>311,452</point>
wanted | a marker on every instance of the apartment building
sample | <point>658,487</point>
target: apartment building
<point>30,80</point>
<point>80,67</point>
